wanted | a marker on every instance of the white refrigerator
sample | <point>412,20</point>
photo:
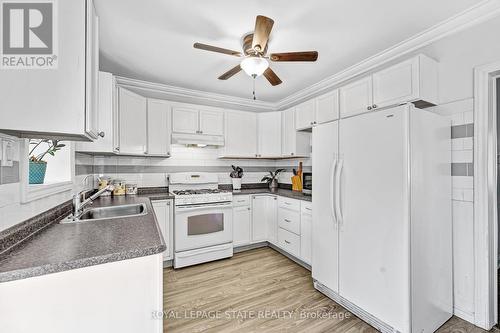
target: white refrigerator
<point>382,230</point>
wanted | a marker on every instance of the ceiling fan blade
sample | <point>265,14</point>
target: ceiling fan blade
<point>216,49</point>
<point>294,56</point>
<point>272,77</point>
<point>263,26</point>
<point>231,72</point>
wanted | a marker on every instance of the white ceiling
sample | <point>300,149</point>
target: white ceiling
<point>152,40</point>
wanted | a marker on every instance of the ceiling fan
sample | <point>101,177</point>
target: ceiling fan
<point>255,58</point>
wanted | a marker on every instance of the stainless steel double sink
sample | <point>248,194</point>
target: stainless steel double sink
<point>105,213</point>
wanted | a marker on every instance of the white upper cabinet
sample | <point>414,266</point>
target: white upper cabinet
<point>356,97</point>
<point>132,120</point>
<point>414,80</point>
<point>305,115</point>
<point>158,127</point>
<point>269,134</point>
<point>293,143</point>
<point>57,102</point>
<point>107,118</point>
<point>327,107</point>
<point>185,120</point>
<point>240,135</point>
<point>211,122</point>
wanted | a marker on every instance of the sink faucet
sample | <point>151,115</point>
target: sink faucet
<point>78,205</point>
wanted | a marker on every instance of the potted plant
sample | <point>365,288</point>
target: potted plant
<point>37,166</point>
<point>272,179</point>
<point>236,176</point>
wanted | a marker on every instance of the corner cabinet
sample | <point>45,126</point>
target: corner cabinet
<point>58,102</point>
<point>132,123</point>
<point>293,143</point>
<point>164,216</point>
<point>269,135</point>
<point>240,130</point>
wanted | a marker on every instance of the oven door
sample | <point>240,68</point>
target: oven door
<point>198,226</point>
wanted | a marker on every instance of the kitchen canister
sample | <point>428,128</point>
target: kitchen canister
<point>131,189</point>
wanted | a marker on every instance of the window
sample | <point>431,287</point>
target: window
<point>47,167</point>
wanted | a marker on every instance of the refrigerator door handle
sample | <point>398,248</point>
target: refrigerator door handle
<point>338,208</point>
<point>332,189</point>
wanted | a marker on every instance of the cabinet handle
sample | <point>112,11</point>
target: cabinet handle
<point>117,148</point>
<point>369,108</point>
<point>287,241</point>
<point>287,203</point>
<point>291,154</point>
<point>374,106</point>
<point>287,220</point>
<point>101,134</point>
<point>307,208</point>
<point>248,208</point>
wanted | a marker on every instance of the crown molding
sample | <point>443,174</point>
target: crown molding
<point>185,95</point>
<point>477,14</point>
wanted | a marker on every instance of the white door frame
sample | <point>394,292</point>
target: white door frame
<point>485,196</point>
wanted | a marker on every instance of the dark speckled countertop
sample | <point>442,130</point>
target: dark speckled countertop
<point>62,247</point>
<point>281,192</point>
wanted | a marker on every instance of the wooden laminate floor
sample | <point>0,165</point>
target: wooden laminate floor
<point>258,291</point>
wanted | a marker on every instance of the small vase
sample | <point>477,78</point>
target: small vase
<point>37,172</point>
<point>236,184</point>
<point>273,185</point>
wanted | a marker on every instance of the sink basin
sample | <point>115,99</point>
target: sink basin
<point>102,213</point>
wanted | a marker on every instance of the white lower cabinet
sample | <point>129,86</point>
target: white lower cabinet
<point>242,220</point>
<point>281,221</point>
<point>164,216</point>
<point>306,231</point>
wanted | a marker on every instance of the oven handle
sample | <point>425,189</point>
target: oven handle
<point>203,206</point>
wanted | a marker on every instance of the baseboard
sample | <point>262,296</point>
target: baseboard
<point>168,263</point>
<point>467,316</point>
<point>248,247</point>
<point>289,256</point>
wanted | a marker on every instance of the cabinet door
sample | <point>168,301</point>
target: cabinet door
<point>241,134</point>
<point>288,133</point>
<point>304,115</point>
<point>305,237</point>
<point>132,113</point>
<point>185,120</point>
<point>259,218</point>
<point>397,84</point>
<point>51,101</point>
<point>92,72</point>
<point>269,134</point>
<point>163,212</point>
<point>327,107</point>
<point>211,122</point>
<point>106,143</point>
<point>356,97</point>
<point>158,127</point>
<point>241,225</point>
<point>272,219</point>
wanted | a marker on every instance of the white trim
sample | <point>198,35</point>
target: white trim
<point>472,16</point>
<point>31,193</point>
<point>485,197</point>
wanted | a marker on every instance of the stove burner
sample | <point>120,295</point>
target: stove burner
<point>202,191</point>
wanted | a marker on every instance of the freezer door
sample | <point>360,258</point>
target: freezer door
<point>374,224</point>
<point>324,227</point>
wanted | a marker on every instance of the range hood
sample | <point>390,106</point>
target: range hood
<point>197,139</point>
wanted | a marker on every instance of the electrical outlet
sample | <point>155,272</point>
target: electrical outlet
<point>7,153</point>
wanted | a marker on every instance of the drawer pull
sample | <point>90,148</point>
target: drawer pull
<point>241,201</point>
<point>307,208</point>
<point>287,241</point>
<point>287,203</point>
<point>287,220</point>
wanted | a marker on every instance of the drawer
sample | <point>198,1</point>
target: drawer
<point>289,242</point>
<point>241,200</point>
<point>288,203</point>
<point>289,220</point>
<point>306,207</point>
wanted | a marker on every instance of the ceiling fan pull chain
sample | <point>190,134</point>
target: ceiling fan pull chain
<point>254,76</point>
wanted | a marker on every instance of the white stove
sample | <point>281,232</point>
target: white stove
<point>203,227</point>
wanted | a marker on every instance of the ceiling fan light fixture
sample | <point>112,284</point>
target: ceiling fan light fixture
<point>254,66</point>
